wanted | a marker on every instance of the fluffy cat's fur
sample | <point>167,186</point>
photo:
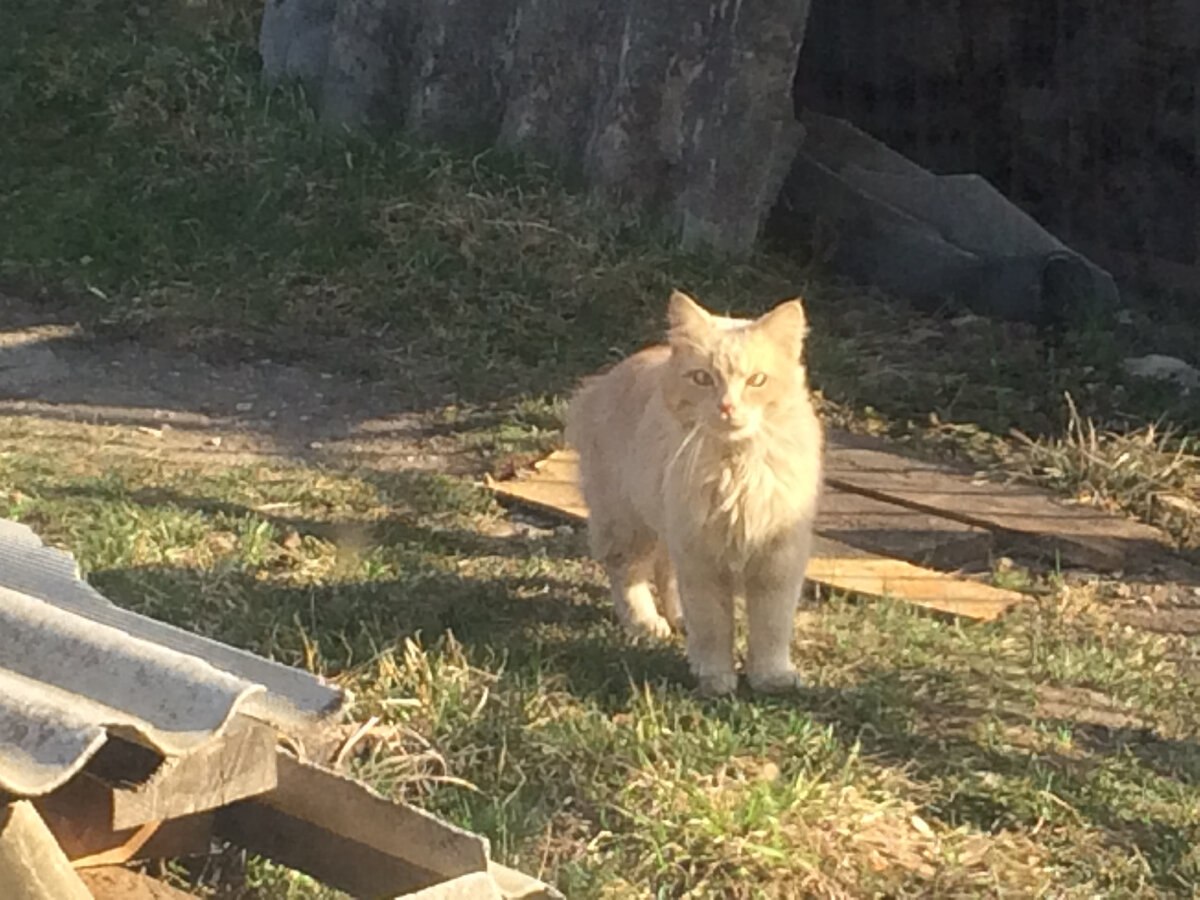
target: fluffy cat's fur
<point>700,462</point>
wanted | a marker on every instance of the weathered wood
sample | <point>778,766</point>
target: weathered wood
<point>553,487</point>
<point>381,842</point>
<point>32,865</point>
<point>117,883</point>
<point>897,531</point>
<point>241,763</point>
<point>344,834</point>
<point>1078,534</point>
<point>844,516</point>
<point>845,568</point>
<point>331,858</point>
<point>353,810</point>
<point>80,814</point>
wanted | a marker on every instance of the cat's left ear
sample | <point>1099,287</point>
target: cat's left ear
<point>687,318</point>
<point>786,324</point>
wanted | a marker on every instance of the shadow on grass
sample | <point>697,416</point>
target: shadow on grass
<point>512,609</point>
<point>991,763</point>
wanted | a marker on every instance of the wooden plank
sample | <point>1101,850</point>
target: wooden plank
<point>353,810</point>
<point>336,805</point>
<point>897,531</point>
<point>331,858</point>
<point>117,883</point>
<point>849,569</point>
<point>552,487</point>
<point>241,763</point>
<point>79,814</point>
<point>1079,534</point>
<point>32,865</point>
<point>342,833</point>
<point>844,516</point>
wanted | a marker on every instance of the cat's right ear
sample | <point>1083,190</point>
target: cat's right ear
<point>686,316</point>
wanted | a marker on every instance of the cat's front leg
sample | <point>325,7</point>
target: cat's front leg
<point>773,585</point>
<point>667,587</point>
<point>706,597</point>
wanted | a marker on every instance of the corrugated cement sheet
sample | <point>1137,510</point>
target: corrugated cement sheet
<point>74,669</point>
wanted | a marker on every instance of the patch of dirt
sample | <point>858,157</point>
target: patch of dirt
<point>53,368</point>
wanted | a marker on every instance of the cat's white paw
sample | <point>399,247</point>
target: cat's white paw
<point>715,685</point>
<point>656,627</point>
<point>779,681</point>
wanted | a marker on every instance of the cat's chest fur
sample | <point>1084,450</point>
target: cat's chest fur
<point>739,498</point>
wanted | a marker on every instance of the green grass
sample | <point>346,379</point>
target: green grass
<point>151,187</point>
<point>926,758</point>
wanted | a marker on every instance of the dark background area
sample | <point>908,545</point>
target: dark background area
<point>1082,112</point>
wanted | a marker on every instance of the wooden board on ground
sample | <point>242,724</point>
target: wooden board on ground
<point>850,569</point>
<point>552,486</point>
<point>1080,534</point>
<point>897,531</point>
<point>240,763</point>
<point>346,835</point>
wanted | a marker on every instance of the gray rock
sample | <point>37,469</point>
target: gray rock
<point>294,40</point>
<point>678,109</point>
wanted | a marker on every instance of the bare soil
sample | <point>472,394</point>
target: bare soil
<point>52,367</point>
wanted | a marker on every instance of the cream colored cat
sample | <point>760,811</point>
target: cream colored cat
<point>700,462</point>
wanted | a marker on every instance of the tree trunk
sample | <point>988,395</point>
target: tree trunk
<point>680,109</point>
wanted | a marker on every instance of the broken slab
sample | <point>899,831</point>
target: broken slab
<point>933,237</point>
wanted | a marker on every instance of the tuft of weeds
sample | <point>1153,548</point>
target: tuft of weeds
<point>1150,473</point>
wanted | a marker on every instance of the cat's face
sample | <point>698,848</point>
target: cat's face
<point>731,375</point>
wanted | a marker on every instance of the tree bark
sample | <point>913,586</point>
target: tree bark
<point>678,109</point>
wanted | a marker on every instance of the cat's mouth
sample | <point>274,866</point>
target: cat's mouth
<point>733,430</point>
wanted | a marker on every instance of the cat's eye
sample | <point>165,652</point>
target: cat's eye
<point>758,379</point>
<point>700,377</point>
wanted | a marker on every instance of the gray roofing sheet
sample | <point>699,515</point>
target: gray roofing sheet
<point>75,668</point>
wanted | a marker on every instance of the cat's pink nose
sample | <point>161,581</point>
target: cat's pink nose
<point>726,408</point>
